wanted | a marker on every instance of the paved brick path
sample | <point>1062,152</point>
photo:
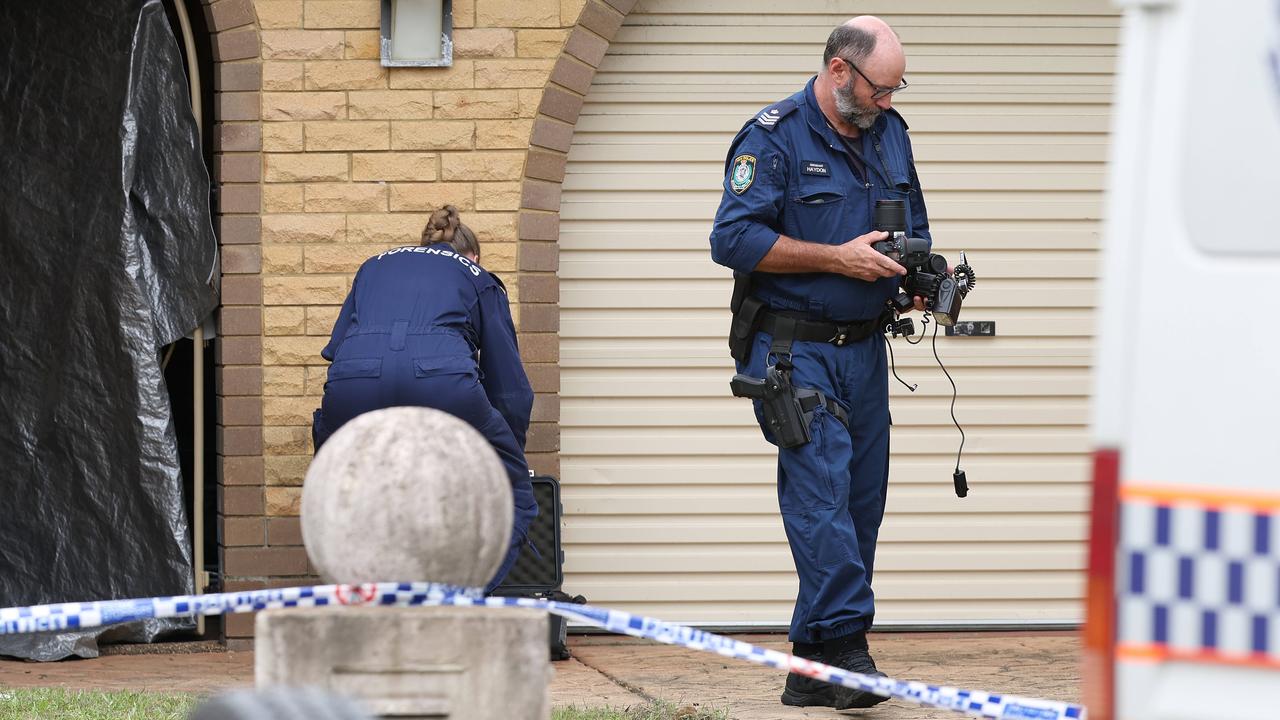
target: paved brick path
<point>617,671</point>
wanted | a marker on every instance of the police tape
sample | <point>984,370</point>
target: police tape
<point>83,615</point>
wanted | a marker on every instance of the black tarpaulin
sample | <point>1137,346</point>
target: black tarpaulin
<point>107,254</point>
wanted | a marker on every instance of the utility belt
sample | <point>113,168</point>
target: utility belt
<point>788,410</point>
<point>752,315</point>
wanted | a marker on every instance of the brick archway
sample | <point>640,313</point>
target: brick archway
<point>538,231</point>
<point>237,175</point>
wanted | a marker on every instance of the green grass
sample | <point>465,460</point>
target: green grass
<point>61,704</point>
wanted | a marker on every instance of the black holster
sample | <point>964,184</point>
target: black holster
<point>777,396</point>
<point>788,410</point>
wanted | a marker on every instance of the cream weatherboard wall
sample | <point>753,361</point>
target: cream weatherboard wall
<point>669,490</point>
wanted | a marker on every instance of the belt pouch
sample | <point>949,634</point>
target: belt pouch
<point>746,322</point>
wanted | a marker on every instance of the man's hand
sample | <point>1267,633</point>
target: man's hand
<point>857,259</point>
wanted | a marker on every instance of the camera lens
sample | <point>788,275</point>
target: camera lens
<point>890,216</point>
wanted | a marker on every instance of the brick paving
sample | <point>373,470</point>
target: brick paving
<point>619,671</point>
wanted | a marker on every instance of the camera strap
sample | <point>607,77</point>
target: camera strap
<point>854,156</point>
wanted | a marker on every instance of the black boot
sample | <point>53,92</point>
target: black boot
<point>851,653</point>
<point>804,691</point>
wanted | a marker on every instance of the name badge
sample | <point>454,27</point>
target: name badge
<point>809,167</point>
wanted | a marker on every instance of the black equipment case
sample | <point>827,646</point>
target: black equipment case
<point>539,569</point>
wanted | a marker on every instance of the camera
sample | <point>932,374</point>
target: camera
<point>927,274</point>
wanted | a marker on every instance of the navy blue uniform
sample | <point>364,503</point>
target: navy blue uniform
<point>789,173</point>
<point>424,326</point>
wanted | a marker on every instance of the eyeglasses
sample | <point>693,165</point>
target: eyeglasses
<point>877,91</point>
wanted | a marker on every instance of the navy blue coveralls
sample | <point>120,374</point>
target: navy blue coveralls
<point>789,173</point>
<point>424,326</point>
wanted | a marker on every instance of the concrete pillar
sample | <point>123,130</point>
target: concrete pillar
<point>461,663</point>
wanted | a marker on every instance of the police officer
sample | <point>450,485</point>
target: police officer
<point>427,326</point>
<point>795,224</point>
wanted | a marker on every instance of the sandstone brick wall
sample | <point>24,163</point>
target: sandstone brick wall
<point>355,156</point>
<point>323,158</point>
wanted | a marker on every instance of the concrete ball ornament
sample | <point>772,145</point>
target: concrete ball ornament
<point>406,494</point>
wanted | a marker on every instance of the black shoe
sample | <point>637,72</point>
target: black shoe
<point>851,653</point>
<point>804,691</point>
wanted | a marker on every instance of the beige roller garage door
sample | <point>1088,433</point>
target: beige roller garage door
<point>669,493</point>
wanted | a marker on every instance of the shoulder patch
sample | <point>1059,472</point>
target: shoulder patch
<point>769,117</point>
<point>742,173</point>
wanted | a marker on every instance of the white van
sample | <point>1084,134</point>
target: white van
<point>1184,585</point>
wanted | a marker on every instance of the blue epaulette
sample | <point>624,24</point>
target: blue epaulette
<point>769,117</point>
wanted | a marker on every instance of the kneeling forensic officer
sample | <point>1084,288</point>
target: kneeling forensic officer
<point>427,326</point>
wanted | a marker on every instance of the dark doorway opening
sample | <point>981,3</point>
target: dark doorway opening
<point>191,384</point>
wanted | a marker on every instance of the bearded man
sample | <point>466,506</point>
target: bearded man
<point>796,225</point>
